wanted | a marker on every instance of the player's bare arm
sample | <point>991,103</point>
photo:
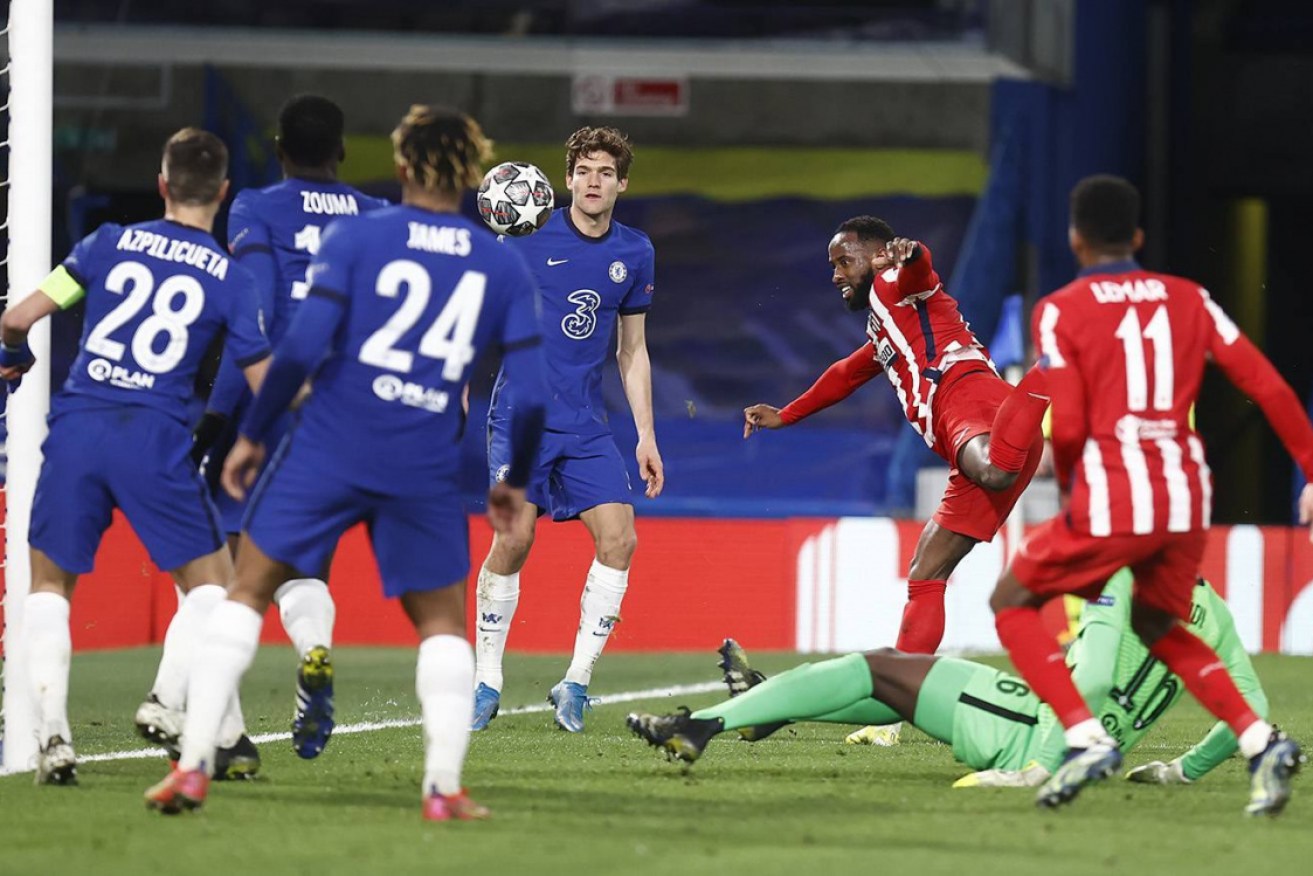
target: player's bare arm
<point>16,358</point>
<point>636,375</point>
<point>255,373</point>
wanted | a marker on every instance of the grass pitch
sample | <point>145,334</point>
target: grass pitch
<point>604,802</point>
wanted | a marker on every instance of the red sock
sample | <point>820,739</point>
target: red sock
<point>923,618</point>
<point>1017,423</point>
<point>1205,676</point>
<point>1039,660</point>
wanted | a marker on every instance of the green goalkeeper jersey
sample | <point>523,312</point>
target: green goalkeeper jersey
<point>1128,689</point>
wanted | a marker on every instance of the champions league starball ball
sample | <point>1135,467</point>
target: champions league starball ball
<point>515,198</point>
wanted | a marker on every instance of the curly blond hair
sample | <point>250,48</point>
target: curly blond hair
<point>443,148</point>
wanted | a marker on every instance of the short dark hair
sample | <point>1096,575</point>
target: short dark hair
<point>310,130</point>
<point>1105,210</point>
<point>443,148</point>
<point>612,141</point>
<point>867,228</point>
<point>194,165</point>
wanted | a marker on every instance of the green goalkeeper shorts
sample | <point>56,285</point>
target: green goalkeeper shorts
<point>987,715</point>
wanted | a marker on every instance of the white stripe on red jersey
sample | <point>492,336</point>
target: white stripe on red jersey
<point>918,334</point>
<point>1125,352</point>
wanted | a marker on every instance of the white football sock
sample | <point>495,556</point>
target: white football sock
<point>180,640</point>
<point>1254,739</point>
<point>444,683</point>
<point>1086,733</point>
<point>599,612</point>
<point>233,725</point>
<point>224,654</point>
<point>308,613</point>
<point>49,649</point>
<point>496,599</point>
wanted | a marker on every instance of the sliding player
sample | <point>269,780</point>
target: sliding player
<point>990,718</point>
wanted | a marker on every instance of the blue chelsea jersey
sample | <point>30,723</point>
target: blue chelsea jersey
<point>156,295</point>
<point>421,295</point>
<point>287,220</point>
<point>585,284</point>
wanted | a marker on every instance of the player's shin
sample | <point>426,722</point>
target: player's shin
<point>599,612</point>
<point>803,693</point>
<point>49,648</point>
<point>180,641</point>
<point>444,683</point>
<point>497,596</point>
<point>226,651</point>
<point>923,618</point>
<point>307,612</point>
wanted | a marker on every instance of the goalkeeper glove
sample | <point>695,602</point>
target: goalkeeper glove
<point>1159,773</point>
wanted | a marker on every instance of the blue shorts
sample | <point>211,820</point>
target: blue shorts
<point>571,474</point>
<point>232,511</point>
<point>129,457</point>
<point>298,511</point>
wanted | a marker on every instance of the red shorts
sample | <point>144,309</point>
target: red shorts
<point>964,408</point>
<point>1056,559</point>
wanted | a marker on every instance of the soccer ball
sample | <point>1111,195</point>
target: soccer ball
<point>516,198</point>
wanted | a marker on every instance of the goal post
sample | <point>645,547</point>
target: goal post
<point>31,66</point>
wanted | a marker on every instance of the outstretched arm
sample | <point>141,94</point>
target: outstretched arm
<point>838,382</point>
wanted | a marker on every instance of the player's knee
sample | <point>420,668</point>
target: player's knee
<point>995,479</point>
<point>616,549</point>
<point>511,549</point>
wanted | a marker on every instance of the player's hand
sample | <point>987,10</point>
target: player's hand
<point>761,417</point>
<point>1159,773</point>
<point>504,505</point>
<point>1031,776</point>
<point>895,254</point>
<point>651,467</point>
<point>14,363</point>
<point>241,467</point>
<point>1306,508</point>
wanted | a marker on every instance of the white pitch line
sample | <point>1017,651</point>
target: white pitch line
<point>372,726</point>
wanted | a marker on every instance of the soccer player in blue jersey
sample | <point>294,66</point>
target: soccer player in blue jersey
<point>401,301</point>
<point>593,273</point>
<point>274,232</point>
<point>156,295</point>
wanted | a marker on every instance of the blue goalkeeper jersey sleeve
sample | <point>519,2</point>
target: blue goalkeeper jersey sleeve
<point>586,283</point>
<point>417,296</point>
<point>286,221</point>
<point>156,294</point>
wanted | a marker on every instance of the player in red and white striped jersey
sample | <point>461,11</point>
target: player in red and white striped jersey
<point>950,393</point>
<point>1122,351</point>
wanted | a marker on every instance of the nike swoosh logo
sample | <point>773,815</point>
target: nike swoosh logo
<point>551,263</point>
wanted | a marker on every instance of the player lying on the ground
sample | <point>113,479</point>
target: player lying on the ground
<point>991,718</point>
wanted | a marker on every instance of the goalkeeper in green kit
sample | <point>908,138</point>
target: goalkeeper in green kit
<point>994,723</point>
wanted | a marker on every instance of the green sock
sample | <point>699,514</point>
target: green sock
<point>798,695</point>
<point>867,711</point>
